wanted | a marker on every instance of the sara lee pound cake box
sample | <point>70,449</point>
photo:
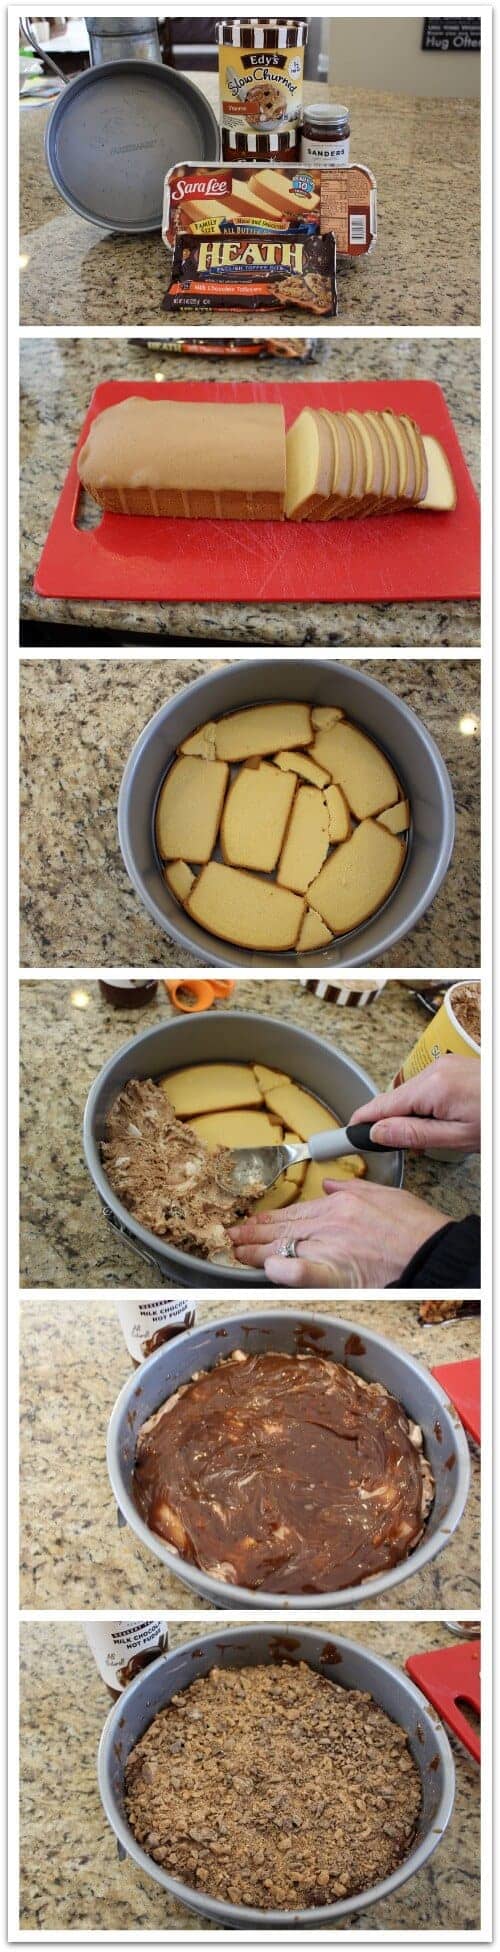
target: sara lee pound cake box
<point>228,200</point>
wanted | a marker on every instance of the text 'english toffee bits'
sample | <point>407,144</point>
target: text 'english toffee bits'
<point>273,270</point>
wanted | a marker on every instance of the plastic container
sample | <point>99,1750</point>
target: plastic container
<point>261,73</point>
<point>370,1356</point>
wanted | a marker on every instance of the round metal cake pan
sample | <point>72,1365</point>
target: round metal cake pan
<point>245,1038</point>
<point>370,1356</point>
<point>376,709</point>
<point>343,1661</point>
<point>113,134</point>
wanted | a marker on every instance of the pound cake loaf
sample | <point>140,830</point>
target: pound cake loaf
<point>202,459</point>
<point>187,458</point>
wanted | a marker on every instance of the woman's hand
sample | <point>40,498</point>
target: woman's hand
<point>441,1106</point>
<point>362,1235</point>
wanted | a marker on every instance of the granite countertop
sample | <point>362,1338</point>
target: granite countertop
<point>68,1032</point>
<point>71,1876</point>
<point>423,270</point>
<point>58,378</point>
<point>79,721</point>
<point>73,1553</point>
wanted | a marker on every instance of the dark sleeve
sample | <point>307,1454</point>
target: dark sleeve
<point>450,1259</point>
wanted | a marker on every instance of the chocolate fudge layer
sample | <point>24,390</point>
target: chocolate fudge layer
<point>283,1473</point>
<point>274,1787</point>
<point>167,1178</point>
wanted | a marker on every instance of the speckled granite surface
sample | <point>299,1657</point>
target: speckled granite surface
<point>79,721</point>
<point>74,1361</point>
<point>71,1877</point>
<point>65,1240</point>
<point>422,272</point>
<point>57,381</point>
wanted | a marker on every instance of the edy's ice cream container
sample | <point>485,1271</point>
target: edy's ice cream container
<point>353,995</point>
<point>455,1030</point>
<point>261,73</point>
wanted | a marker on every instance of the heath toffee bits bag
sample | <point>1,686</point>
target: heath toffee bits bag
<point>248,273</point>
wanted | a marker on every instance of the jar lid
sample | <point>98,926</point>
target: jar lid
<point>262,33</point>
<point>326,111</point>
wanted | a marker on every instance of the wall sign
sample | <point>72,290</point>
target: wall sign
<point>452,36</point>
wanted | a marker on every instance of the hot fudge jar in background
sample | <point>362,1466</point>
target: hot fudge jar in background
<point>149,1321</point>
<point>325,139</point>
<point>121,1648</point>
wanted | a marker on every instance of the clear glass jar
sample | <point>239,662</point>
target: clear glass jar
<point>326,131</point>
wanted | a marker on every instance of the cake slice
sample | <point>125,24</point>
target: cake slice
<point>235,1128</point>
<point>357,878</point>
<point>342,466</point>
<point>263,729</point>
<point>309,463</point>
<point>201,744</point>
<point>283,1193</point>
<point>306,841</point>
<point>358,766</point>
<point>348,1168</point>
<point>390,484</point>
<point>313,935</point>
<point>189,809</point>
<point>256,813</point>
<point>203,1088</point>
<point>440,495</point>
<point>323,716</point>
<point>415,438</point>
<point>304,767</point>
<point>407,482</point>
<point>243,909</point>
<point>179,878</point>
<point>339,819</point>
<point>299,1111</point>
<point>266,1077</point>
<point>396,819</point>
<point>373,462</point>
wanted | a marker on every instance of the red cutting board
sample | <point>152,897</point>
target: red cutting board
<point>385,559</point>
<point>448,1677</point>
<point>462,1382</point>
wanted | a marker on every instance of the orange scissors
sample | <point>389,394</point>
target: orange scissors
<point>196,995</point>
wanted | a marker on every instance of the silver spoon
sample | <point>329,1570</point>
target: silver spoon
<point>262,1165</point>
